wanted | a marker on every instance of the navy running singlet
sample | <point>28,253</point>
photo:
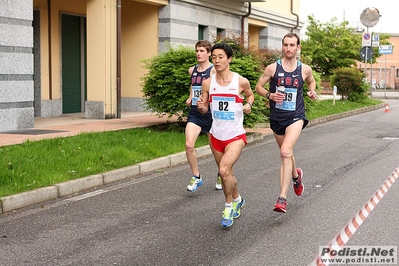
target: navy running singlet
<point>194,116</point>
<point>293,105</point>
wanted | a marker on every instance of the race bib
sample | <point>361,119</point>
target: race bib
<point>223,108</point>
<point>197,92</point>
<point>289,103</point>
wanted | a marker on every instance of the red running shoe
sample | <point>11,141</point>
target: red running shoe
<point>281,205</point>
<point>298,185</point>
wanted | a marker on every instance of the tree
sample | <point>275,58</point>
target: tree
<point>334,45</point>
<point>330,45</point>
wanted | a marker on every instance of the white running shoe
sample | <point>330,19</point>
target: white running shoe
<point>218,185</point>
<point>195,183</point>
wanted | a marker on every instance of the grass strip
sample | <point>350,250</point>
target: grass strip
<point>35,164</point>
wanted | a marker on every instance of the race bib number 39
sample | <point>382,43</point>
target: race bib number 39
<point>289,103</point>
<point>223,108</point>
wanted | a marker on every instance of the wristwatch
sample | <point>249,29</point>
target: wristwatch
<point>268,95</point>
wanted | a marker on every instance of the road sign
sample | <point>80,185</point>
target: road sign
<point>366,51</point>
<point>375,40</point>
<point>366,40</point>
<point>385,49</point>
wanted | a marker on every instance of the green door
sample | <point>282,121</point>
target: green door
<point>73,43</point>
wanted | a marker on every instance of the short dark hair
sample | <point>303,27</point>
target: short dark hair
<point>204,43</point>
<point>224,46</point>
<point>292,35</point>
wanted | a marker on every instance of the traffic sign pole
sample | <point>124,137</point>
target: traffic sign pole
<point>365,37</point>
<point>371,64</point>
<point>385,81</point>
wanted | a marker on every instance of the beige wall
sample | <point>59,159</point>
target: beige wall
<point>101,53</point>
<point>254,26</point>
<point>76,7</point>
<point>279,6</point>
<point>253,33</point>
<point>153,2</point>
<point>139,42</point>
<point>41,5</point>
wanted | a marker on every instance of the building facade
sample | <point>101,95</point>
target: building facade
<point>16,65</point>
<point>385,72</point>
<point>61,57</point>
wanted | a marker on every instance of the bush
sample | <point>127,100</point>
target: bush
<point>350,83</point>
<point>249,68</point>
<point>167,84</point>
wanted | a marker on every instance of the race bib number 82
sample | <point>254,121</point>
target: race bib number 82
<point>223,108</point>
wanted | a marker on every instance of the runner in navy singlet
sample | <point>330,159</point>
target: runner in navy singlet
<point>287,110</point>
<point>196,122</point>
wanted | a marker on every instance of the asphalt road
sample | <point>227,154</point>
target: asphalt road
<point>153,220</point>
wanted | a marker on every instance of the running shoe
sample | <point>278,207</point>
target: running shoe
<point>219,183</point>
<point>195,183</point>
<point>298,185</point>
<point>281,205</point>
<point>237,206</point>
<point>227,217</point>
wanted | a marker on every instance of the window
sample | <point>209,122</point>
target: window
<point>201,32</point>
<point>220,33</point>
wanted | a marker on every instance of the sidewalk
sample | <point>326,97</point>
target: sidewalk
<point>70,125</point>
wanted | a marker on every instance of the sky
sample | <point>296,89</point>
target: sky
<point>350,11</point>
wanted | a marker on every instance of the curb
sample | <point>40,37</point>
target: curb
<point>345,114</point>
<point>24,199</point>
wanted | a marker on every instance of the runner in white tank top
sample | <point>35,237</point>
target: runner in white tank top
<point>226,107</point>
<point>223,93</point>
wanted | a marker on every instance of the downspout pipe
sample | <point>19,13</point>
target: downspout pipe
<point>118,58</point>
<point>297,17</point>
<point>50,67</point>
<point>243,21</point>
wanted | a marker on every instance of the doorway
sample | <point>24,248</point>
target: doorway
<point>73,66</point>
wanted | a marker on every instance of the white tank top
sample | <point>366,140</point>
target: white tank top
<point>226,106</point>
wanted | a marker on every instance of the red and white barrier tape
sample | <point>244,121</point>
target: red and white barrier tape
<point>349,230</point>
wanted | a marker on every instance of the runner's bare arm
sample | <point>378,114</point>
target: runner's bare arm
<point>203,102</point>
<point>310,81</point>
<point>190,97</point>
<point>245,88</point>
<point>265,78</point>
